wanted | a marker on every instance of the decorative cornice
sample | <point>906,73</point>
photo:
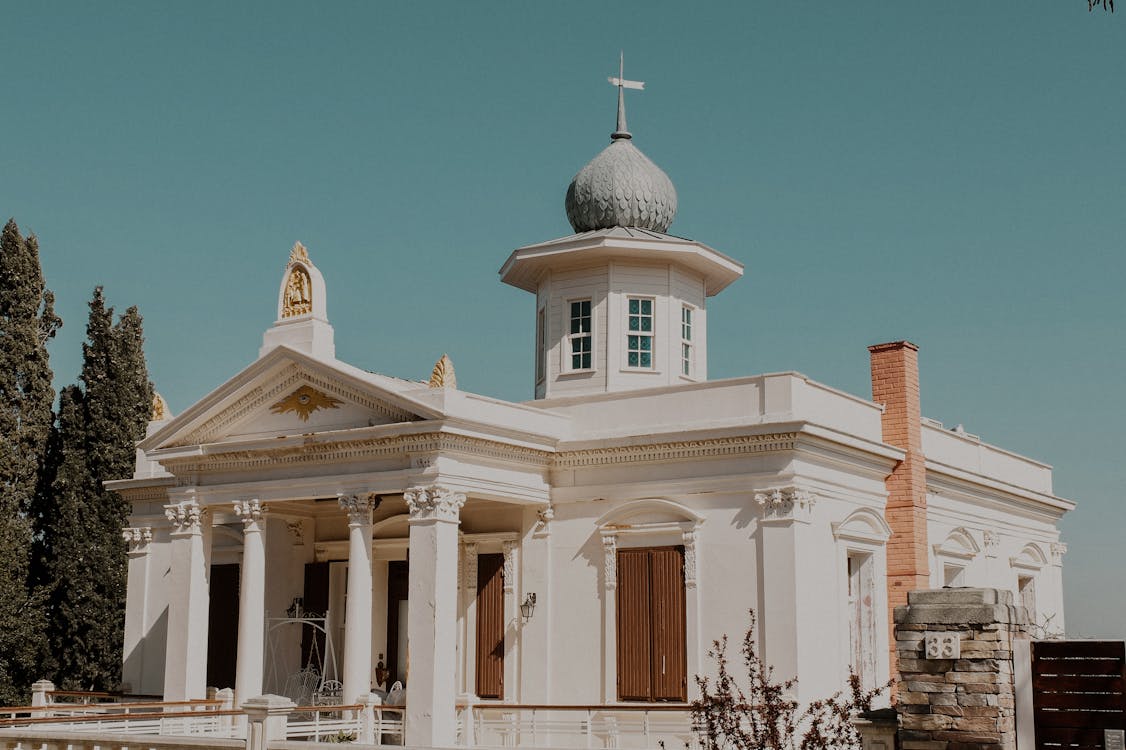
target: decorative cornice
<point>145,494</point>
<point>186,517</point>
<point>676,451</point>
<point>250,511</point>
<point>137,538</point>
<point>289,377</point>
<point>786,504</point>
<point>434,503</point>
<point>359,508</point>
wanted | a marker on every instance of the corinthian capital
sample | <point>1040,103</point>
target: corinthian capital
<point>137,539</point>
<point>436,502</point>
<point>250,511</point>
<point>359,507</point>
<point>185,517</point>
<point>786,504</point>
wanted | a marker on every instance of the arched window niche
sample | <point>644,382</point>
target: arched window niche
<point>1027,565</point>
<point>667,528</point>
<point>862,565</point>
<point>952,558</point>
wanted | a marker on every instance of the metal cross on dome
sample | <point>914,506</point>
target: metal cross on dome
<point>623,84</point>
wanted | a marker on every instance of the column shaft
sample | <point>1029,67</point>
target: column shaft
<point>185,664</point>
<point>252,605</point>
<point>357,623</point>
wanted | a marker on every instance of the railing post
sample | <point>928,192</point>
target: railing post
<point>40,692</point>
<point>645,723</point>
<point>267,717</point>
<point>368,730</point>
<point>227,696</point>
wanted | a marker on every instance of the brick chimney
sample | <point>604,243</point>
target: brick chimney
<point>895,384</point>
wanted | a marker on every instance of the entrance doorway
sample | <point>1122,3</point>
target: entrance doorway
<point>222,625</point>
<point>398,661</point>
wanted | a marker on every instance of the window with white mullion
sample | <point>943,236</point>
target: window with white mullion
<point>639,338</point>
<point>687,350</point>
<point>580,336</point>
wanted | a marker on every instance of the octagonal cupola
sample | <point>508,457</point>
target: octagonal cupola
<point>620,304</point>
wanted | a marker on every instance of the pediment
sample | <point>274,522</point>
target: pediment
<point>288,393</point>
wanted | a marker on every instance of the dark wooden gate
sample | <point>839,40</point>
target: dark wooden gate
<point>1078,690</point>
<point>490,626</point>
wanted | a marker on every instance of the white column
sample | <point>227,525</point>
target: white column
<point>252,604</point>
<point>787,617</point>
<point>185,661</point>
<point>136,608</point>
<point>357,619</point>
<point>432,616</point>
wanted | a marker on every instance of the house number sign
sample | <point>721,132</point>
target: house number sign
<point>942,645</point>
<point>1114,739</point>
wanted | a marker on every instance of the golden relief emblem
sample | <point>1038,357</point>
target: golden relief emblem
<point>304,401</point>
<point>298,293</point>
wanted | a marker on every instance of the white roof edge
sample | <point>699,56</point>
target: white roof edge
<point>1025,493</point>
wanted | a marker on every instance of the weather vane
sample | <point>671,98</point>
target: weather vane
<point>622,84</point>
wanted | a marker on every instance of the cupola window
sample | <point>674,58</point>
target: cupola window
<point>639,340</point>
<point>580,337</point>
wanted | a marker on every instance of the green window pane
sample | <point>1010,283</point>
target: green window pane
<point>586,325</point>
<point>634,304</point>
<point>647,324</point>
<point>575,325</point>
<point>646,359</point>
<point>646,306</point>
<point>646,343</point>
<point>576,360</point>
<point>585,307</point>
<point>633,342</point>
<point>586,361</point>
<point>633,359</point>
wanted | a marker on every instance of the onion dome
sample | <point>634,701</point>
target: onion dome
<point>621,187</point>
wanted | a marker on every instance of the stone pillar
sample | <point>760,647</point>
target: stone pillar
<point>357,620</point>
<point>895,384</point>
<point>956,687</point>
<point>469,657</point>
<point>432,616</point>
<point>787,610</point>
<point>267,717</point>
<point>136,608</point>
<point>609,617</point>
<point>252,604</point>
<point>185,660</point>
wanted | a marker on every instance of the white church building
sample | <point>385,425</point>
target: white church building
<point>309,521</point>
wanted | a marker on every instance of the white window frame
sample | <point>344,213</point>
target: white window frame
<point>651,334</point>
<point>864,534</point>
<point>569,337</point>
<point>687,343</point>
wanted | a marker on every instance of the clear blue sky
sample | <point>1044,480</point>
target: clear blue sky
<point>951,173</point>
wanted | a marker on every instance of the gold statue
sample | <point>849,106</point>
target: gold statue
<point>298,293</point>
<point>443,374</point>
<point>160,410</point>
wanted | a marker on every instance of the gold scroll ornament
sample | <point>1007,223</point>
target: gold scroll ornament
<point>304,401</point>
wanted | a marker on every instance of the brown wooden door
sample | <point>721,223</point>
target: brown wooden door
<point>1078,691</point>
<point>490,626</point>
<point>651,633</point>
<point>222,626</point>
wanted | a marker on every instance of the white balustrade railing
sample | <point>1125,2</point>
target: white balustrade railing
<point>591,726</point>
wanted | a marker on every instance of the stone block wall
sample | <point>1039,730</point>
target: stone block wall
<point>958,694</point>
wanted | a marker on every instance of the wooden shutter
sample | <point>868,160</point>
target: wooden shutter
<point>222,625</point>
<point>314,599</point>
<point>669,654</point>
<point>490,626</point>
<point>634,627</point>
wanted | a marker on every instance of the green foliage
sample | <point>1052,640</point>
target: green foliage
<point>766,716</point>
<point>82,547</point>
<point>27,322</point>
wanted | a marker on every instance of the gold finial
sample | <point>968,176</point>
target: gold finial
<point>443,374</point>
<point>298,253</point>
<point>160,410</point>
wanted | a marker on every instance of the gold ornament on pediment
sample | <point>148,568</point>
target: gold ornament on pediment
<point>304,401</point>
<point>160,410</point>
<point>298,253</point>
<point>443,374</point>
<point>298,293</point>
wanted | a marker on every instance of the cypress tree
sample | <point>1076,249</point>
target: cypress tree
<point>27,322</point>
<point>99,425</point>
